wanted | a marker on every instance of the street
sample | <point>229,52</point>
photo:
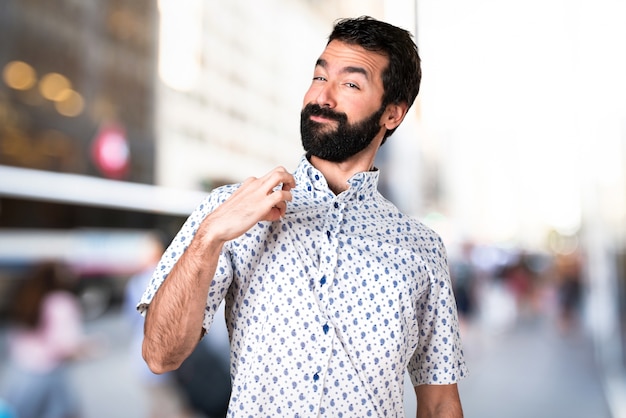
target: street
<point>532,371</point>
<point>527,371</point>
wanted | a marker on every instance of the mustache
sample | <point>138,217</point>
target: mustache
<point>313,109</point>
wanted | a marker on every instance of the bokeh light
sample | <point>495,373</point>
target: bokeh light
<point>69,103</point>
<point>54,86</point>
<point>19,75</point>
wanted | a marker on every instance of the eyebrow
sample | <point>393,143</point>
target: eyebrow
<point>349,69</point>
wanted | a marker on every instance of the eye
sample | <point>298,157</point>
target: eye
<point>319,78</point>
<point>352,85</point>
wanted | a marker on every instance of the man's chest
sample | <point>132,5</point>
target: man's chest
<point>345,278</point>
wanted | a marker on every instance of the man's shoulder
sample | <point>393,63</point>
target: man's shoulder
<point>417,227</point>
<point>216,197</point>
<point>225,190</point>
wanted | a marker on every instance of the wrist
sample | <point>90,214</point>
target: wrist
<point>207,238</point>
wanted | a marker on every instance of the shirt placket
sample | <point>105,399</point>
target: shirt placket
<point>324,330</point>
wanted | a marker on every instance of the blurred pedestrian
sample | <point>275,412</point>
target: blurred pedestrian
<point>569,291</point>
<point>45,335</point>
<point>521,282</point>
<point>464,277</point>
<point>498,306</point>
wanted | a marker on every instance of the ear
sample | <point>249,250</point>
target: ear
<point>394,115</point>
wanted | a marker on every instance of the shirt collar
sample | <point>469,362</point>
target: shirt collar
<point>363,185</point>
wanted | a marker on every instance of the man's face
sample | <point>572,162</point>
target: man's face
<point>342,112</point>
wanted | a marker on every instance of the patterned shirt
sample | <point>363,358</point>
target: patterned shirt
<point>327,307</point>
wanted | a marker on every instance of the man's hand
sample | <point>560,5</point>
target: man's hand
<point>257,199</point>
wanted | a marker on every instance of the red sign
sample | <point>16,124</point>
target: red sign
<point>110,151</point>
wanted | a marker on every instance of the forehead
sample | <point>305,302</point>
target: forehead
<point>339,56</point>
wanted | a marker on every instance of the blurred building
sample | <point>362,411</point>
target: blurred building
<point>77,140</point>
<point>77,95</point>
<point>73,71</point>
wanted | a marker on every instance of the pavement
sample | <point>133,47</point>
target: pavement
<point>532,370</point>
<point>529,371</point>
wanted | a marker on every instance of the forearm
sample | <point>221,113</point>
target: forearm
<point>443,411</point>
<point>174,319</point>
<point>438,401</point>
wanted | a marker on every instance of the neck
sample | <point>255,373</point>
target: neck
<point>338,174</point>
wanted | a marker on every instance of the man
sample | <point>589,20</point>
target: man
<point>331,293</point>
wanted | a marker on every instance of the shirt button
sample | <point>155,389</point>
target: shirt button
<point>326,328</point>
<point>328,234</point>
<point>316,377</point>
<point>323,280</point>
<point>336,205</point>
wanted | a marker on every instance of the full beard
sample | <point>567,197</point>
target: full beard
<point>336,145</point>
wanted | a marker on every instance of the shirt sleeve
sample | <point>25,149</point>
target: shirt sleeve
<point>438,358</point>
<point>180,243</point>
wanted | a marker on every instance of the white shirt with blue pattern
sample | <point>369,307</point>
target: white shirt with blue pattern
<point>329,306</point>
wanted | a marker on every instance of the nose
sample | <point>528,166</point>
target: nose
<point>326,96</point>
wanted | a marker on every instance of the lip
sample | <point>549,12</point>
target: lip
<point>321,119</point>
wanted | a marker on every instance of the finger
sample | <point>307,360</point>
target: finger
<point>282,207</point>
<point>279,196</point>
<point>247,183</point>
<point>276,212</point>
<point>288,180</point>
<point>290,183</point>
<point>279,177</point>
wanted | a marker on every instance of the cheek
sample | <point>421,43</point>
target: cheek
<point>358,113</point>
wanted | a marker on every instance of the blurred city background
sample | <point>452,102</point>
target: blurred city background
<point>118,116</point>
